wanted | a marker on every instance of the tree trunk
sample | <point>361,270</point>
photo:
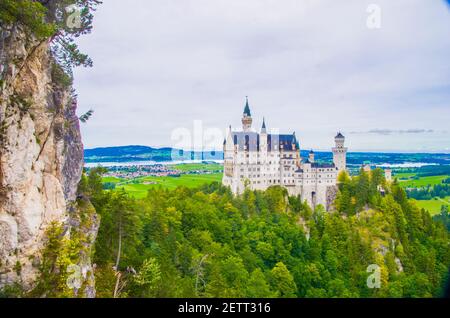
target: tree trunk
<point>116,289</point>
<point>119,249</point>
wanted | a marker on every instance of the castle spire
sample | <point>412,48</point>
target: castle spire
<point>247,117</point>
<point>263,128</point>
<point>247,108</point>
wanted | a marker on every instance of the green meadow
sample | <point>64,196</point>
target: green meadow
<point>197,166</point>
<point>139,187</point>
<point>423,181</point>
<point>433,206</point>
<point>111,180</point>
<point>410,180</point>
<point>404,175</point>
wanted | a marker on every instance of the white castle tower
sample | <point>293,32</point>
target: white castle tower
<point>340,153</point>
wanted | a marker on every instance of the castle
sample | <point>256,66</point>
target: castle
<point>261,160</point>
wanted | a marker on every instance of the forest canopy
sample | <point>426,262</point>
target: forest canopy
<point>205,242</point>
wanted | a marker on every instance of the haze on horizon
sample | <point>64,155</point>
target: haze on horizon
<point>313,67</point>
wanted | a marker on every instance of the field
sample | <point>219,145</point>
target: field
<point>422,181</point>
<point>138,187</point>
<point>433,206</point>
<point>193,175</point>
<point>111,180</point>
<point>197,166</point>
<point>411,180</point>
<point>404,175</point>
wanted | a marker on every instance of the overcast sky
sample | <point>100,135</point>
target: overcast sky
<point>311,66</point>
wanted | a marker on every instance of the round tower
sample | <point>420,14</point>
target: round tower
<point>340,153</point>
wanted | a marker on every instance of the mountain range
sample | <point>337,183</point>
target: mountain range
<point>145,153</point>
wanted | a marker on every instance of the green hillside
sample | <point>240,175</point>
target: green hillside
<point>266,244</point>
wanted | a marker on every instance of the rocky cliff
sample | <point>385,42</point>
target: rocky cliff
<point>41,157</point>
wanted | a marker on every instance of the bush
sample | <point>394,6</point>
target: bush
<point>30,14</point>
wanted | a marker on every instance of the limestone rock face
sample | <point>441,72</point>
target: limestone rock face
<point>331,196</point>
<point>41,153</point>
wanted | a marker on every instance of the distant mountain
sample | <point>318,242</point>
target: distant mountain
<point>379,158</point>
<point>118,151</point>
<point>144,153</point>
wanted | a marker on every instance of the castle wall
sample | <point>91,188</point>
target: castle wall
<point>249,163</point>
<point>260,170</point>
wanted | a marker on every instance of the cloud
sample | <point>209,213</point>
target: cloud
<point>393,132</point>
<point>311,66</point>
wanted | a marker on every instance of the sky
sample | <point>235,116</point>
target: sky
<point>168,72</point>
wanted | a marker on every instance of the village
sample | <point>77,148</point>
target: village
<point>161,170</point>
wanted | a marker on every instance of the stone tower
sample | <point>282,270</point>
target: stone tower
<point>247,118</point>
<point>340,153</point>
<point>388,175</point>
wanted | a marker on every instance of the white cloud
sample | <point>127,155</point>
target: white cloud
<point>309,66</point>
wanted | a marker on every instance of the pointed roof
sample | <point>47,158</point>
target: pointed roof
<point>247,108</point>
<point>339,135</point>
<point>263,128</point>
<point>274,142</point>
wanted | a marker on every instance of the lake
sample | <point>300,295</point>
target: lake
<point>144,163</point>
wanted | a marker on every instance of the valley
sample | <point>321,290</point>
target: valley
<point>136,178</point>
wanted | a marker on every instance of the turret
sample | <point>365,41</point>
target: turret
<point>340,153</point>
<point>229,142</point>
<point>247,118</point>
<point>263,128</point>
<point>311,156</point>
<point>228,154</point>
<point>340,140</point>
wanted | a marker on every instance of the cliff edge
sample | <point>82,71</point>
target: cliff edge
<point>41,158</point>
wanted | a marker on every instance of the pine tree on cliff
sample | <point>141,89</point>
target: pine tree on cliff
<point>58,21</point>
